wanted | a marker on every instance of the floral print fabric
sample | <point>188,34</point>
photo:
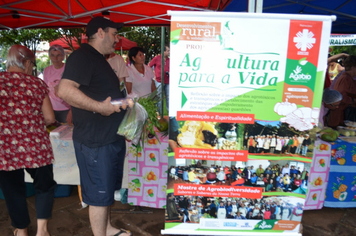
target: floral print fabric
<point>24,141</point>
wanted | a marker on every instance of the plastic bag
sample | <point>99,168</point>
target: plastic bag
<point>132,125</point>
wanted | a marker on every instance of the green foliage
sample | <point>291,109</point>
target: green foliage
<point>27,37</point>
<point>3,51</point>
<point>42,63</point>
<point>351,50</point>
<point>71,35</point>
<point>148,38</point>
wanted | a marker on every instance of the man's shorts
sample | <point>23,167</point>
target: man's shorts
<point>101,171</point>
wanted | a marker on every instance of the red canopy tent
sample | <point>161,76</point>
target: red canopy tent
<point>17,14</point>
<point>123,44</point>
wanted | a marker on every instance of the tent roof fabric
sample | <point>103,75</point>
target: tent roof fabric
<point>124,43</point>
<point>343,9</point>
<point>17,14</point>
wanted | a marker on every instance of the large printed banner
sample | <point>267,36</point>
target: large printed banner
<point>342,40</point>
<point>245,92</point>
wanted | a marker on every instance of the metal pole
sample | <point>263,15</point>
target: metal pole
<point>251,6</point>
<point>162,67</point>
<point>259,6</point>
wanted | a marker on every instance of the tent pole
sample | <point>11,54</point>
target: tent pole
<point>162,68</point>
<point>255,6</point>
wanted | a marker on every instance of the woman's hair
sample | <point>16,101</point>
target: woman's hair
<point>349,62</point>
<point>133,52</point>
<point>56,47</point>
<point>18,55</point>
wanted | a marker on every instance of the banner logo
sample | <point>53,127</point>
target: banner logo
<point>304,40</point>
<point>230,224</point>
<point>246,225</point>
<point>297,75</point>
<point>264,225</point>
<point>195,31</point>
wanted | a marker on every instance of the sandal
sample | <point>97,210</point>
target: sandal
<point>122,231</point>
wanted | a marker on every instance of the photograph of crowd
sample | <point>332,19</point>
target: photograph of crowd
<point>260,138</point>
<point>201,134</point>
<point>276,138</point>
<point>274,177</point>
<point>275,144</point>
<point>190,209</point>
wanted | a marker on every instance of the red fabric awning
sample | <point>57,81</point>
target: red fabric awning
<point>75,13</point>
<point>123,44</point>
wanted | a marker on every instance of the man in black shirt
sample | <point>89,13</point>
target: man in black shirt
<point>89,84</point>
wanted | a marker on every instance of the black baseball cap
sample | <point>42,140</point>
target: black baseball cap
<point>101,22</point>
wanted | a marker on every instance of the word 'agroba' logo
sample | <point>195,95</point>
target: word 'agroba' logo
<point>298,75</point>
<point>264,225</point>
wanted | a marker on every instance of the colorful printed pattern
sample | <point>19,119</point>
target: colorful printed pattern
<point>24,141</point>
<point>148,174</point>
<point>318,176</point>
<point>341,190</point>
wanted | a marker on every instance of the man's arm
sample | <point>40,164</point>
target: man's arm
<point>152,63</point>
<point>47,111</point>
<point>69,91</point>
<point>153,86</point>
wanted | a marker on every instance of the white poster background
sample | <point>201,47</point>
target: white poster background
<point>246,34</point>
<point>265,35</point>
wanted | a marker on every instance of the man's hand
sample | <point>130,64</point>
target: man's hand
<point>107,108</point>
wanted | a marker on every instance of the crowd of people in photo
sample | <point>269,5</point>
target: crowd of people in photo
<point>191,209</point>
<point>276,144</point>
<point>273,178</point>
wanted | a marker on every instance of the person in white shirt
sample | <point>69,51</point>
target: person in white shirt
<point>252,170</point>
<point>221,214</point>
<point>234,207</point>
<point>300,141</point>
<point>243,210</point>
<point>279,145</point>
<point>273,143</point>
<point>266,144</point>
<point>118,64</point>
<point>221,175</point>
<point>286,169</point>
<point>141,77</point>
<point>260,142</point>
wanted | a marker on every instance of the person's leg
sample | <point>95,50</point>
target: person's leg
<point>45,186</point>
<point>98,216</point>
<point>298,149</point>
<point>99,176</point>
<point>304,151</point>
<point>13,187</point>
<point>88,160</point>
